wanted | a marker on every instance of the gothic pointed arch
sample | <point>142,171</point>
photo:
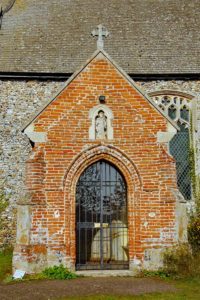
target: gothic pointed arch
<point>111,153</point>
<point>131,175</point>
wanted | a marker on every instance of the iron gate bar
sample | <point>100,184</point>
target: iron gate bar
<point>101,200</point>
<point>101,219</point>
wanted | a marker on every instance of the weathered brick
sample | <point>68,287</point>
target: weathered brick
<point>55,166</point>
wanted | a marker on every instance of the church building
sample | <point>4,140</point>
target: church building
<point>100,115</point>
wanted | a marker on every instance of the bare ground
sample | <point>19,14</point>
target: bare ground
<point>53,289</point>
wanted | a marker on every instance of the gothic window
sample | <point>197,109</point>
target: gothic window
<point>175,106</point>
<point>184,113</point>
<point>162,107</point>
<point>178,107</point>
<point>166,100</point>
<point>172,112</point>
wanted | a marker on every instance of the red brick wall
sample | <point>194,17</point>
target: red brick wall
<point>57,164</point>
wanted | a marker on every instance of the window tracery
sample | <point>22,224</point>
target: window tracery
<point>177,107</point>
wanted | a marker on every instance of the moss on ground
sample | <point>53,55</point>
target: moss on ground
<point>5,263</point>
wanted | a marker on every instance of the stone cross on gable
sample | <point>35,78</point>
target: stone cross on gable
<point>101,32</point>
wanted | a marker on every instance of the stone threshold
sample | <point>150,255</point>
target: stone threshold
<point>105,273</point>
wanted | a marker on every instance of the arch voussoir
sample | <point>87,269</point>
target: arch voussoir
<point>134,187</point>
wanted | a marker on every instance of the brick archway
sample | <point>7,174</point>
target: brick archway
<point>134,187</point>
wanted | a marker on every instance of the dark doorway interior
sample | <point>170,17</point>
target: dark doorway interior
<point>101,219</point>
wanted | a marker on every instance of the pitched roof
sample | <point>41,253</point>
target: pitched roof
<point>120,70</point>
<point>146,36</point>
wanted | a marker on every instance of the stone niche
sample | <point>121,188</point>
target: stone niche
<point>101,118</point>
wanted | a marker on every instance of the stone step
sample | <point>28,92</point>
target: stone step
<point>105,273</point>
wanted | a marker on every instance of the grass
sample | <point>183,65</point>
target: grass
<point>5,264</point>
<point>187,289</point>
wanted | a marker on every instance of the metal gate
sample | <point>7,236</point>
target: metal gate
<point>101,219</point>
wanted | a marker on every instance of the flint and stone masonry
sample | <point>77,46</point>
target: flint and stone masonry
<point>19,101</point>
<point>22,99</point>
<point>54,39</point>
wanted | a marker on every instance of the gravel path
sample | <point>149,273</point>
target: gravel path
<point>47,290</point>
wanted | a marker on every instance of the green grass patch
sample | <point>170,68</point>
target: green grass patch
<point>159,273</point>
<point>187,289</point>
<point>55,272</point>
<point>5,263</point>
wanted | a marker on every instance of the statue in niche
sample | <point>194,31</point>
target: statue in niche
<point>101,125</point>
<point>5,6</point>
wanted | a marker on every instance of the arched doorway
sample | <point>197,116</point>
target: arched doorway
<point>101,218</point>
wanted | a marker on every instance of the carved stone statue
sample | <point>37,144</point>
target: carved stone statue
<point>5,6</point>
<point>101,125</point>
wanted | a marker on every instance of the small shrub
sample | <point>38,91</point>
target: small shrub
<point>38,276</point>
<point>3,206</point>
<point>5,263</point>
<point>179,261</point>
<point>5,230</point>
<point>8,279</point>
<point>194,234</point>
<point>58,272</point>
<point>159,273</point>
